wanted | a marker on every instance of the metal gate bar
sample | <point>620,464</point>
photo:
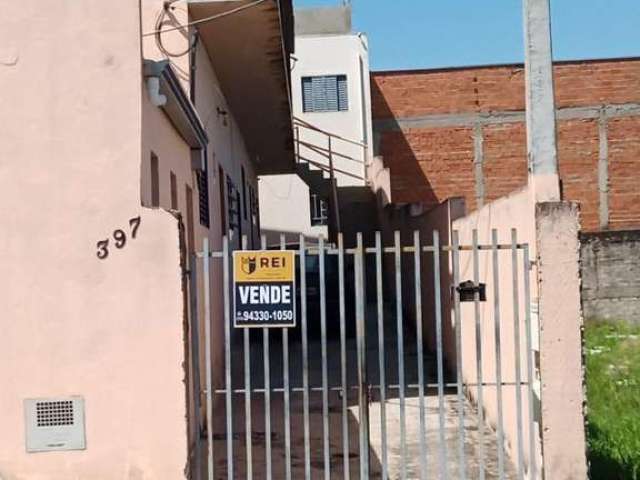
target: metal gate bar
<point>400,340</point>
<point>267,389</point>
<point>209,386</point>
<point>478,331</point>
<point>455,260</point>
<point>325,374</point>
<point>516,343</point>
<point>227,355</point>
<point>287,400</point>
<point>305,358</point>
<point>381,357</point>
<point>438,313</point>
<point>408,386</point>
<point>363,391</point>
<point>419,345</point>
<point>530,378</point>
<point>496,318</point>
<point>343,360</point>
<point>381,385</point>
<point>247,393</point>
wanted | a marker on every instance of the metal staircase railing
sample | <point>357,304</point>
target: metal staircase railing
<point>329,153</point>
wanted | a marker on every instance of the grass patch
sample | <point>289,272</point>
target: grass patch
<point>613,395</point>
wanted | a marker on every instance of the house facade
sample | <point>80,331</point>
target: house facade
<point>145,139</point>
<point>331,104</point>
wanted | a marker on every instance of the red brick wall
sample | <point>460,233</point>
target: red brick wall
<point>505,147</point>
<point>424,157</point>
<point>431,164</point>
<point>578,152</point>
<point>624,172</point>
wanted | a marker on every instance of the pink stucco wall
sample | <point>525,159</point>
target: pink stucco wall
<point>513,211</point>
<point>226,150</point>
<point>551,232</point>
<point>109,330</point>
<point>561,363</point>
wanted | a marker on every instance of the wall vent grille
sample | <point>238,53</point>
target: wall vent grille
<point>54,424</point>
<point>54,414</point>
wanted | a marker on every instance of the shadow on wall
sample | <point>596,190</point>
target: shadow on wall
<point>409,183</point>
<point>438,219</point>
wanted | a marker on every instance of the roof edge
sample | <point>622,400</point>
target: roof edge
<point>500,65</point>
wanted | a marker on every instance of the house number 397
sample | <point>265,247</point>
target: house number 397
<point>119,239</point>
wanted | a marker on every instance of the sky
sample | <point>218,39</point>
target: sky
<point>413,34</point>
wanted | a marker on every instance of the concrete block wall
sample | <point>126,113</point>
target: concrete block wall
<point>610,265</point>
<point>461,132</point>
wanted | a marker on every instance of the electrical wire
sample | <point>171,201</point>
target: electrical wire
<point>158,36</point>
<point>160,31</point>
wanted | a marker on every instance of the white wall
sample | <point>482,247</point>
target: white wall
<point>285,208</point>
<point>336,55</point>
<point>284,199</point>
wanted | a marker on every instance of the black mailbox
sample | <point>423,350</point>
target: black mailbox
<point>468,289</point>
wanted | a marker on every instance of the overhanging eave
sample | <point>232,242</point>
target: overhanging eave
<point>250,51</point>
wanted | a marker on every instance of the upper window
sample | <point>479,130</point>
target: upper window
<point>325,94</point>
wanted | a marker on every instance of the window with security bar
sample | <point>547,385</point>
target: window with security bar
<point>327,93</point>
<point>233,204</point>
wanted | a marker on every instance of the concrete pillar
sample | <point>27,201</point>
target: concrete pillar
<point>478,164</point>
<point>603,171</point>
<point>560,317</point>
<point>541,120</point>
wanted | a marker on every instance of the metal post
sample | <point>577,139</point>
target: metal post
<point>417,265</point>
<point>400,344</point>
<point>227,354</point>
<point>516,342</point>
<point>267,390</point>
<point>287,393</point>
<point>247,393</point>
<point>305,358</point>
<point>439,353</point>
<point>498,349</point>
<point>362,359</point>
<point>207,349</point>
<point>343,361</point>
<point>530,375</point>
<point>325,373</point>
<point>381,356</point>
<point>479,356</point>
<point>458,327</point>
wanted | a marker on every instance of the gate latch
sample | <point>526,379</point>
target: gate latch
<point>468,289</point>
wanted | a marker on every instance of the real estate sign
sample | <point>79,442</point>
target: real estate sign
<point>264,289</point>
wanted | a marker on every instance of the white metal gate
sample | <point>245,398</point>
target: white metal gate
<point>388,374</point>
